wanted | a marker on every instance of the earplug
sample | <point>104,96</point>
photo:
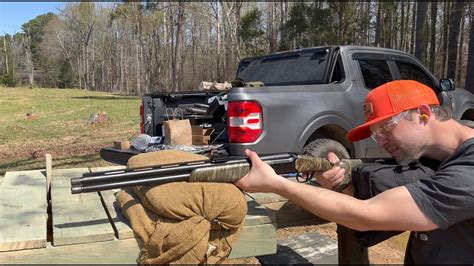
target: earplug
<point>424,117</point>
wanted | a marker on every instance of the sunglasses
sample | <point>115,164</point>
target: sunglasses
<point>381,129</point>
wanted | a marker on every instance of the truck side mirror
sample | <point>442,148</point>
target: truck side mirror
<point>446,84</point>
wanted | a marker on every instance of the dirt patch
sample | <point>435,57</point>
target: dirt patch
<point>60,151</point>
<point>57,148</point>
<point>65,154</point>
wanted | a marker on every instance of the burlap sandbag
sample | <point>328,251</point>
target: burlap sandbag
<point>163,157</point>
<point>143,222</point>
<point>174,220</point>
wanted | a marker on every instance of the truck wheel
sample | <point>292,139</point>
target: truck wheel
<point>321,148</point>
<point>468,123</point>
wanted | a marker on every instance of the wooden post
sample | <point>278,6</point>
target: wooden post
<point>49,169</point>
<point>349,250</point>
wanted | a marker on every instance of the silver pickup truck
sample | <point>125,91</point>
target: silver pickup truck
<point>308,100</point>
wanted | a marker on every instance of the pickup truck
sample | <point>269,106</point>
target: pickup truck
<point>307,100</point>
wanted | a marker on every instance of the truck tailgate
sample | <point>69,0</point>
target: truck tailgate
<point>117,156</point>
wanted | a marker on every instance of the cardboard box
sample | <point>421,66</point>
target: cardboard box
<point>123,145</point>
<point>201,136</point>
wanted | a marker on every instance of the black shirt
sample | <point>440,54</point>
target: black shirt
<point>447,198</point>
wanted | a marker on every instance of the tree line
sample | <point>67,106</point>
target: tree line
<point>138,47</point>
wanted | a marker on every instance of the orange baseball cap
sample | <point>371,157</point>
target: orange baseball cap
<point>391,99</point>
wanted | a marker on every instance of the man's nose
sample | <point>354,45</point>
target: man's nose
<point>382,141</point>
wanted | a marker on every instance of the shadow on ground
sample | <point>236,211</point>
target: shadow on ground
<point>121,97</point>
<point>84,160</point>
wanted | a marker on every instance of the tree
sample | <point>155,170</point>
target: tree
<point>378,24</point>
<point>420,39</point>
<point>136,47</point>
<point>434,12</point>
<point>251,32</point>
<point>470,61</point>
<point>32,36</point>
<point>7,75</point>
<point>272,26</point>
<point>453,42</point>
<point>294,29</point>
<point>178,54</point>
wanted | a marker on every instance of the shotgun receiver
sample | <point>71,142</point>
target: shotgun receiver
<point>221,170</point>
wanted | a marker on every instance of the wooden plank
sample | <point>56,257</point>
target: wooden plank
<point>49,169</point>
<point>23,211</point>
<point>262,198</point>
<point>126,251</point>
<point>120,223</point>
<point>110,252</point>
<point>257,214</point>
<point>61,186</point>
<point>289,214</point>
<point>258,236</point>
<point>324,243</point>
<point>78,218</point>
<point>350,251</point>
<point>254,241</point>
<point>30,180</point>
<point>311,248</point>
<point>286,213</point>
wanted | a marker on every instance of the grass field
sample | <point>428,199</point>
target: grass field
<point>37,121</point>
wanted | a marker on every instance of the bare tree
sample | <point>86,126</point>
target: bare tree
<point>459,56</point>
<point>413,28</point>
<point>469,85</point>
<point>453,43</point>
<point>133,48</point>
<point>378,23</point>
<point>178,52</point>
<point>7,71</point>
<point>420,40</point>
<point>29,58</point>
<point>434,12</point>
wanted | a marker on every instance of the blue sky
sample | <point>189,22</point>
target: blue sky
<point>15,14</point>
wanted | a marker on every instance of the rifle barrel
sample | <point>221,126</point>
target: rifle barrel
<point>97,181</point>
<point>129,174</point>
<point>129,183</point>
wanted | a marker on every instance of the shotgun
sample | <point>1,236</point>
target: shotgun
<point>217,170</point>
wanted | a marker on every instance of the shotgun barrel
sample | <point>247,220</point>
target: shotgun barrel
<point>224,170</point>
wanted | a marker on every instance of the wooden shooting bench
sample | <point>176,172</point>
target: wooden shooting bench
<point>59,227</point>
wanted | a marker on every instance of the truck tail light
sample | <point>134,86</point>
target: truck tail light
<point>142,119</point>
<point>244,121</point>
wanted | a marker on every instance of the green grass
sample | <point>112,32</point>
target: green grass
<point>60,126</point>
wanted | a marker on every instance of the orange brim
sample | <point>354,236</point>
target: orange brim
<point>363,131</point>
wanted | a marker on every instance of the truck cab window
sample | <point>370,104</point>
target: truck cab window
<point>411,71</point>
<point>288,68</point>
<point>375,72</point>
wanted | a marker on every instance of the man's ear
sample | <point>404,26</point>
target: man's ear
<point>425,113</point>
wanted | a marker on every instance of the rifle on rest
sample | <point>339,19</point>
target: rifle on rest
<point>222,171</point>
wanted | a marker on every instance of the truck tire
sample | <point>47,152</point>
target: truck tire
<point>468,123</point>
<point>321,148</point>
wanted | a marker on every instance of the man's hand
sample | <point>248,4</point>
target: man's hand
<point>331,178</point>
<point>261,176</point>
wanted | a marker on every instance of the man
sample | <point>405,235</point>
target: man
<point>404,118</point>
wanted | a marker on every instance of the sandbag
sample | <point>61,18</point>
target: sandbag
<point>181,222</point>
